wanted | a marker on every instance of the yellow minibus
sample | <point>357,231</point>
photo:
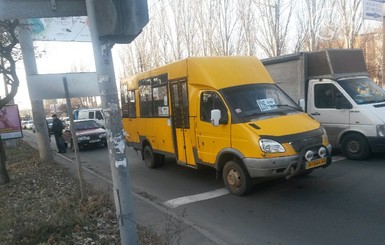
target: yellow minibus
<point>223,112</point>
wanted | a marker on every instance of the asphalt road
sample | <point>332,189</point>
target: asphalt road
<point>342,204</point>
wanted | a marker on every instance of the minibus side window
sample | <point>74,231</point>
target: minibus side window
<point>124,100</point>
<point>210,101</point>
<point>131,104</point>
<point>160,101</point>
<point>145,97</point>
<point>127,98</point>
<point>153,101</point>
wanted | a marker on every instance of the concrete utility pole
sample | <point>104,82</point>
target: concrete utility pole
<point>383,46</point>
<point>113,122</point>
<point>38,113</point>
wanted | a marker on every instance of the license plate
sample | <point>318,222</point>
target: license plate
<point>316,163</point>
<point>94,141</point>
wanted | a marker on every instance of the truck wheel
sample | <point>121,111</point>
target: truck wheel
<point>236,179</point>
<point>355,147</point>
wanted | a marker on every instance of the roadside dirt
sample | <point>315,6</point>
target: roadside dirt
<point>41,205</point>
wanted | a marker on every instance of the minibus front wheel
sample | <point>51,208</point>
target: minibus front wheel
<point>236,178</point>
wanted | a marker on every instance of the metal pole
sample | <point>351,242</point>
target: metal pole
<point>74,143</point>
<point>383,52</point>
<point>277,30</point>
<point>115,138</point>
<point>38,112</point>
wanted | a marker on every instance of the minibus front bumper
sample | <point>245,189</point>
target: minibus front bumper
<point>280,166</point>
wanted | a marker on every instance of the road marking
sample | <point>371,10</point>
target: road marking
<point>173,203</point>
<point>338,158</point>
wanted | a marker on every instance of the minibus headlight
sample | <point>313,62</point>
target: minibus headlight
<point>270,146</point>
<point>381,130</point>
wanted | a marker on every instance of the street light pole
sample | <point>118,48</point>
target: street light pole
<point>383,48</point>
<point>113,123</point>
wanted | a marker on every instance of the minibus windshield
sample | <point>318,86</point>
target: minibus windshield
<point>257,101</point>
<point>363,90</point>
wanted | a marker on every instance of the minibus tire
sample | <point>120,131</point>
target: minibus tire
<point>236,178</point>
<point>148,156</point>
<point>159,160</point>
<point>354,146</point>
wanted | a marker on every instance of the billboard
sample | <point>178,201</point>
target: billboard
<point>73,29</point>
<point>10,126</point>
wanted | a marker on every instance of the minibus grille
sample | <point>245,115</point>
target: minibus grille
<point>300,144</point>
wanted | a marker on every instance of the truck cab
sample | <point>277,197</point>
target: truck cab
<point>352,110</point>
<point>333,86</point>
<point>95,114</point>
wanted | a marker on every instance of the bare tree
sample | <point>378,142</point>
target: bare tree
<point>248,28</point>
<point>274,26</point>
<point>179,29</point>
<point>351,20</point>
<point>205,26</point>
<point>312,16</point>
<point>8,42</point>
<point>226,22</point>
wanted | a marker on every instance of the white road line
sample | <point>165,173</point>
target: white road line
<point>338,158</point>
<point>173,203</point>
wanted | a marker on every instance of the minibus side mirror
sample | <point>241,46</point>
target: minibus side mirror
<point>301,103</point>
<point>215,116</point>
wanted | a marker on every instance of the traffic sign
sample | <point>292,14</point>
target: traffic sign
<point>372,9</point>
<point>25,9</point>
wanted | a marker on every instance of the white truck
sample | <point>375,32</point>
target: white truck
<point>92,113</point>
<point>333,87</point>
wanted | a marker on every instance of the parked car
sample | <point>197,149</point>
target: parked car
<point>88,133</point>
<point>49,121</point>
<point>23,124</point>
<point>65,120</point>
<point>29,125</point>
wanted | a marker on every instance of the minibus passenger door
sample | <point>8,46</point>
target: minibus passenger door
<point>211,139</point>
<point>183,135</point>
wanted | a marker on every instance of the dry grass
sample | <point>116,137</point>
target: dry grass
<point>41,206</point>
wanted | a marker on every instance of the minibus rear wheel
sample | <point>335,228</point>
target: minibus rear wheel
<point>236,179</point>
<point>153,160</point>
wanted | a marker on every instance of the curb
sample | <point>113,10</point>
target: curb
<point>146,212</point>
